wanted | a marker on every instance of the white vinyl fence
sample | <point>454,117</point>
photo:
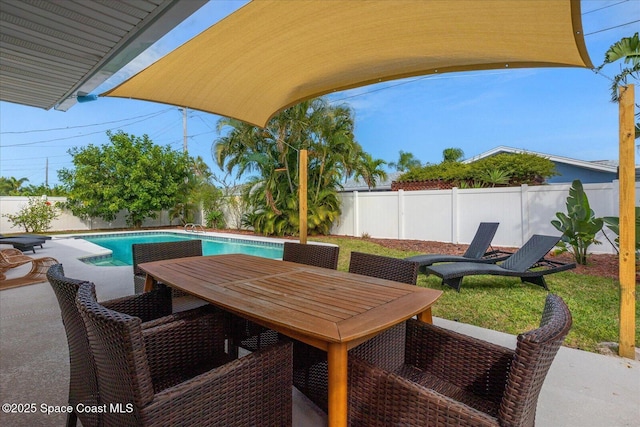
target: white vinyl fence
<point>66,221</point>
<point>438,215</point>
<point>453,215</point>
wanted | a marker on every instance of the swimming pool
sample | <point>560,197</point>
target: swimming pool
<point>120,245</point>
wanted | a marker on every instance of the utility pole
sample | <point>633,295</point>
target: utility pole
<point>46,173</point>
<point>184,129</point>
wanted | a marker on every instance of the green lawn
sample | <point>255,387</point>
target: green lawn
<point>507,305</point>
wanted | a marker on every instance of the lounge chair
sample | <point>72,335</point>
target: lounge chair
<point>450,379</point>
<point>34,236</point>
<point>12,258</point>
<point>478,250</point>
<point>22,243</point>
<point>528,263</point>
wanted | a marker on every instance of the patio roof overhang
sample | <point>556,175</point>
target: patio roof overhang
<point>270,55</point>
<point>52,52</point>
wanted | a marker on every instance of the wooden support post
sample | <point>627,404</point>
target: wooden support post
<point>302,195</point>
<point>627,267</point>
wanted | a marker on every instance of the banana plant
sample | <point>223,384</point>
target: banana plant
<point>579,225</point>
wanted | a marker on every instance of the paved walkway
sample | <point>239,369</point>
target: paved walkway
<point>582,389</point>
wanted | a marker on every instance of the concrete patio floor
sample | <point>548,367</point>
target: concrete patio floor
<point>581,389</point>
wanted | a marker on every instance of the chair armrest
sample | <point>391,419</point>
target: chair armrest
<point>178,346</point>
<point>253,390</point>
<point>379,397</point>
<point>147,306</point>
<point>464,361</point>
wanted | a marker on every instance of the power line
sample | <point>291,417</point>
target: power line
<point>83,126</point>
<point>605,7</point>
<point>83,135</point>
<point>611,28</point>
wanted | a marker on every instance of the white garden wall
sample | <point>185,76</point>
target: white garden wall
<point>454,215</point>
<point>66,221</point>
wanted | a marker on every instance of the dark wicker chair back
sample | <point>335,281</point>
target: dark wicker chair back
<point>148,252</point>
<point>482,240</point>
<point>83,386</point>
<point>384,267</point>
<point>535,352</point>
<point>451,379</point>
<point>153,306</point>
<point>119,351</point>
<point>316,255</point>
<point>178,373</point>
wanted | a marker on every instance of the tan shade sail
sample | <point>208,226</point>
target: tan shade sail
<point>270,55</point>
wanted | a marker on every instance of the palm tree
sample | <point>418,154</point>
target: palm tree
<point>11,186</point>
<point>452,154</point>
<point>406,162</point>
<point>270,157</point>
<point>370,170</point>
<point>628,49</point>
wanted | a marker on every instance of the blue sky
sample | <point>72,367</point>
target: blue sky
<point>558,111</point>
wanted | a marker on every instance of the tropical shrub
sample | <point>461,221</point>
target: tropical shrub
<point>215,219</point>
<point>36,216</point>
<point>271,156</point>
<point>522,168</point>
<point>129,174</point>
<point>501,169</point>
<point>579,225</point>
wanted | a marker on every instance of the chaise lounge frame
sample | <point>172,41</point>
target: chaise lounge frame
<point>527,263</point>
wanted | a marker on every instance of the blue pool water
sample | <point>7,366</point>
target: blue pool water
<point>120,244</point>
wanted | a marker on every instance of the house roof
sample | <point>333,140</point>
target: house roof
<point>598,165</point>
<point>52,52</point>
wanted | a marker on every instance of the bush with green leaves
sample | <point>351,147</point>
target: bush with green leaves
<point>446,171</point>
<point>35,216</point>
<point>579,225</point>
<point>500,169</point>
<point>215,219</point>
<point>129,174</point>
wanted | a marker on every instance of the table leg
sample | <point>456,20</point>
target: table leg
<point>337,364</point>
<point>148,283</point>
<point>426,316</point>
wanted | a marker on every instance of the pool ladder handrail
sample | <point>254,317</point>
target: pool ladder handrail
<point>193,228</point>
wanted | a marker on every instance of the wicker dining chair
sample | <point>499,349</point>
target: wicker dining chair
<point>451,379</point>
<point>178,373</point>
<point>310,369</point>
<point>153,308</point>
<point>317,255</point>
<point>148,252</point>
<point>251,336</point>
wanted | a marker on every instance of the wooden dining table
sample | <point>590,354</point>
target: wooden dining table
<point>328,309</point>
